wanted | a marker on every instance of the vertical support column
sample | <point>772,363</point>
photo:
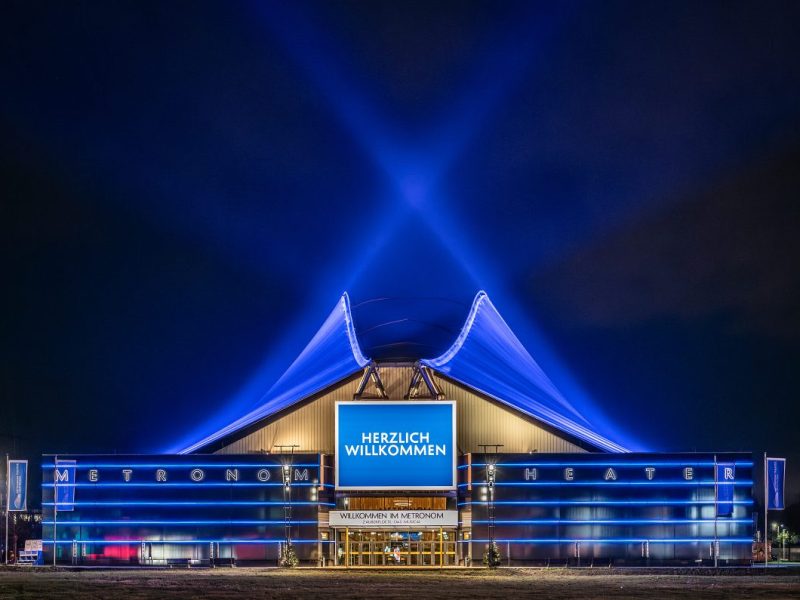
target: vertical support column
<point>55,506</point>
<point>715,547</point>
<point>8,494</point>
<point>766,510</point>
<point>441,548</point>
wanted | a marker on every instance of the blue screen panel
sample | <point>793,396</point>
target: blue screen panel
<point>395,445</point>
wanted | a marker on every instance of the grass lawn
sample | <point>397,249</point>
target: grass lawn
<point>388,584</point>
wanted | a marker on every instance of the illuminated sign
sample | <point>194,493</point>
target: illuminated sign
<point>393,518</point>
<point>388,445</point>
<point>177,474</point>
<point>17,485</point>
<point>614,474</point>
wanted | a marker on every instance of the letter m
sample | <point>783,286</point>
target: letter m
<point>62,475</point>
<point>301,475</point>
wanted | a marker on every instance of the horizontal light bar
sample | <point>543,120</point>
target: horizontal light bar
<point>709,521</point>
<point>196,484</point>
<point>601,502</point>
<point>205,541</point>
<point>513,541</point>
<point>190,503</point>
<point>609,464</point>
<point>614,541</point>
<point>576,482</point>
<point>67,523</point>
<point>176,465</point>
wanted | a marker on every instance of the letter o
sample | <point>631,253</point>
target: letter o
<point>263,475</point>
<point>197,475</point>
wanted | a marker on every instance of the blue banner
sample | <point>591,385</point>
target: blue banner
<point>64,480</point>
<point>17,497</point>
<point>726,475</point>
<point>776,474</point>
<point>395,445</point>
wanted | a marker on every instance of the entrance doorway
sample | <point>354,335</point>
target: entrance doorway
<point>380,548</point>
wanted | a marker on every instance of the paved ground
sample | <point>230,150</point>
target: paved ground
<point>388,585</point>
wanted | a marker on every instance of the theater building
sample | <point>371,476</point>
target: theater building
<point>365,453</point>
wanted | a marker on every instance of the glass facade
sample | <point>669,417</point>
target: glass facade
<point>604,508</point>
<point>182,508</point>
<point>539,509</point>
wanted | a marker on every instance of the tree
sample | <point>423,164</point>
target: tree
<point>492,558</point>
<point>288,558</point>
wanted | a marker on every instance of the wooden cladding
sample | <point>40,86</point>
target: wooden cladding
<point>397,503</point>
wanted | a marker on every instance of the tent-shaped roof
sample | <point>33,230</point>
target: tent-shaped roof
<point>486,356</point>
<point>332,354</point>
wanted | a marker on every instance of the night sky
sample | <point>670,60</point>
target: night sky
<point>188,187</point>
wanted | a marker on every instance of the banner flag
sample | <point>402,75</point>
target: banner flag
<point>17,498</point>
<point>726,475</point>
<point>64,479</point>
<point>776,475</point>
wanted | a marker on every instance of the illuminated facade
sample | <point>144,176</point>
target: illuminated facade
<point>357,461</point>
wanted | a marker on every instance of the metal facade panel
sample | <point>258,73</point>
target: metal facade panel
<point>201,508</point>
<point>310,426</point>
<point>480,421</point>
<point>647,508</point>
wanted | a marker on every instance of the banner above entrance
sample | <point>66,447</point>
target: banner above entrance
<point>400,519</point>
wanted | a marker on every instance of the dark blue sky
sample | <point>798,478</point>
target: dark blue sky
<point>189,186</point>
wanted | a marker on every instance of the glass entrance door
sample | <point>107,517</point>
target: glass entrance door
<point>430,548</point>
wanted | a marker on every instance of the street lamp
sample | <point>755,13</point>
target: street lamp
<point>492,557</point>
<point>491,477</point>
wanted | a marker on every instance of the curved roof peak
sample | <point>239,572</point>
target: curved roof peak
<point>448,354</point>
<point>485,356</point>
<point>332,354</point>
<point>488,357</point>
<point>407,328</point>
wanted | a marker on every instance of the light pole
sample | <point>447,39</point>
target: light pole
<point>55,506</point>
<point>5,503</point>
<point>491,476</point>
<point>783,533</point>
<point>286,472</point>
<point>491,479</point>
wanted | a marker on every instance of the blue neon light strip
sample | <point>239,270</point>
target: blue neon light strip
<point>608,464</point>
<point>167,522</point>
<point>182,465</point>
<point>722,540</point>
<point>600,502</point>
<point>200,541</point>
<point>612,521</point>
<point>616,483</point>
<point>198,484</point>
<point>190,503</point>
<point>515,541</point>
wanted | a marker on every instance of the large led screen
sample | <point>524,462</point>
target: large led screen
<point>388,445</point>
